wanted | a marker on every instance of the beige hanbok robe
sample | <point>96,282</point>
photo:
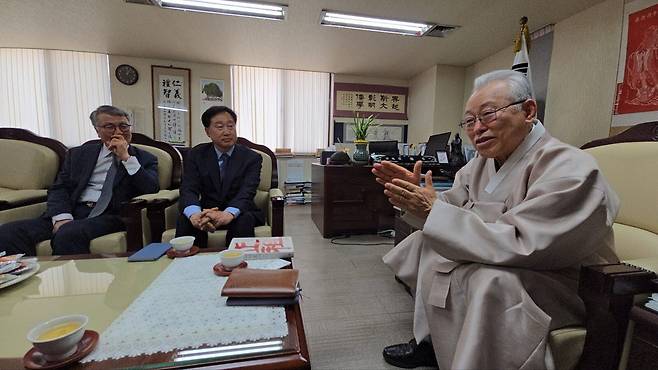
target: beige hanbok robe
<point>495,266</point>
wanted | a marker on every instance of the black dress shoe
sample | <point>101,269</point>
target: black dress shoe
<point>410,355</point>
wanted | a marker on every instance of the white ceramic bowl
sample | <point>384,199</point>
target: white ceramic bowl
<point>60,347</point>
<point>182,243</point>
<point>231,257</point>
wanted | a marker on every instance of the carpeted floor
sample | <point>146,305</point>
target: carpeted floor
<point>352,306</point>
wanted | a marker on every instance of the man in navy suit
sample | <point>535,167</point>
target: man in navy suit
<point>85,200</point>
<point>219,183</point>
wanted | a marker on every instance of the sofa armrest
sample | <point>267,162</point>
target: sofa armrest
<point>276,211</point>
<point>131,215</point>
<point>607,291</point>
<point>156,206</point>
<point>17,198</point>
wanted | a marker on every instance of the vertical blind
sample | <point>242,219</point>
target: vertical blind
<point>52,92</point>
<point>282,108</point>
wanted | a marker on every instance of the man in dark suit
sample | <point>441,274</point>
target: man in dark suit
<point>85,200</point>
<point>219,183</point>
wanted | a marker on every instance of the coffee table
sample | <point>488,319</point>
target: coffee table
<point>102,287</point>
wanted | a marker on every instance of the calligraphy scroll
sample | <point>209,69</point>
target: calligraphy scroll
<point>171,105</point>
<point>385,102</point>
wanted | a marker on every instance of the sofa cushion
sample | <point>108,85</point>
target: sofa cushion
<point>38,165</point>
<point>110,243</point>
<point>566,346</point>
<point>622,162</point>
<point>632,242</point>
<point>165,165</point>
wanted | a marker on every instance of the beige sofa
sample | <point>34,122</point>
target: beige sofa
<point>135,213</point>
<point>629,161</point>
<point>29,165</point>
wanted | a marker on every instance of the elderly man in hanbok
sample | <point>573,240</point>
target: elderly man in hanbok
<point>495,264</point>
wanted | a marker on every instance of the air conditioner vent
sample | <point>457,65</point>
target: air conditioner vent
<point>440,30</point>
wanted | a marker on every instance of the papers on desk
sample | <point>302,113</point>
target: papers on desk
<point>264,248</point>
<point>653,302</point>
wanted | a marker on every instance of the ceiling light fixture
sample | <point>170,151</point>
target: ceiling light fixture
<point>353,21</point>
<point>226,7</point>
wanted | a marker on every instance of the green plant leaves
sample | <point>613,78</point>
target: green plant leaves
<point>361,125</point>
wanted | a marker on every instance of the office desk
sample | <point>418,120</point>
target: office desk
<point>102,288</point>
<point>347,200</point>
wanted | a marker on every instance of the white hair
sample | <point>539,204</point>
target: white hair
<point>517,83</point>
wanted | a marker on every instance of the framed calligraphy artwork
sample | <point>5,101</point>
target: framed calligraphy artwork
<point>171,105</point>
<point>636,99</point>
<point>385,102</point>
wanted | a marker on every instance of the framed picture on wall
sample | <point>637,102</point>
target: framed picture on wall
<point>171,105</point>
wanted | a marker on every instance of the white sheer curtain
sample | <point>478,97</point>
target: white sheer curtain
<point>282,108</point>
<point>52,92</point>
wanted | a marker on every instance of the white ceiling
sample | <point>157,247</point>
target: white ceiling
<point>299,42</point>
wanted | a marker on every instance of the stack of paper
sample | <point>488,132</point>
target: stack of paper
<point>653,302</point>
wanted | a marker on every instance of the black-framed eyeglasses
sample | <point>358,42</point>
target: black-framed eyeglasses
<point>485,117</point>
<point>124,127</point>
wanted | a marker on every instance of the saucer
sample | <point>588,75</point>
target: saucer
<point>172,253</point>
<point>222,270</point>
<point>34,359</point>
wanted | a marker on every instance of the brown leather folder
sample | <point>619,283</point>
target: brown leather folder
<point>255,283</point>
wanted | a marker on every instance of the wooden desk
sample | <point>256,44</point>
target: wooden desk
<point>347,200</point>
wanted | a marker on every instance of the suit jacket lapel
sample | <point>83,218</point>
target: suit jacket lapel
<point>211,156</point>
<point>88,163</point>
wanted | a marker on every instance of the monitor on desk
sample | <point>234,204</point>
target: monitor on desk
<point>437,143</point>
<point>388,147</point>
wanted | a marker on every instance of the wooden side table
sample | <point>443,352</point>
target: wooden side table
<point>644,344</point>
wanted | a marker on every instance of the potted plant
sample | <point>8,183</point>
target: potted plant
<point>360,128</point>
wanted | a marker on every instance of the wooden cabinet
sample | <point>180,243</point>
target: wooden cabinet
<point>348,200</point>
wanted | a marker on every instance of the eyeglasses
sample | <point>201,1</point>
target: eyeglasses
<point>124,127</point>
<point>486,116</point>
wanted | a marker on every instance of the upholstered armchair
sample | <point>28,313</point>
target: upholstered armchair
<point>629,161</point>
<point>268,198</point>
<point>170,167</point>
<point>134,214</point>
<point>29,165</point>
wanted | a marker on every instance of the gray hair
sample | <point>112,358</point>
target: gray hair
<point>109,110</point>
<point>517,83</point>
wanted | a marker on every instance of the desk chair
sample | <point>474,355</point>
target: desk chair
<point>29,165</point>
<point>629,162</point>
<point>268,198</point>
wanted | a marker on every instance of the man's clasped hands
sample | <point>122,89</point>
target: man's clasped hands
<point>211,219</point>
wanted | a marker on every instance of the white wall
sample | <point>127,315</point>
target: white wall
<point>448,100</point>
<point>138,97</point>
<point>422,101</point>
<point>581,83</point>
<point>581,80</point>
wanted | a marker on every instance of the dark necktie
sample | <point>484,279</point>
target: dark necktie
<point>106,192</point>
<point>223,159</point>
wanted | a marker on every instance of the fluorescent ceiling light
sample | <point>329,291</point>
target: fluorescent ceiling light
<point>343,20</point>
<point>239,8</point>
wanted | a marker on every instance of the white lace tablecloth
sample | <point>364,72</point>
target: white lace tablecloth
<point>182,308</point>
